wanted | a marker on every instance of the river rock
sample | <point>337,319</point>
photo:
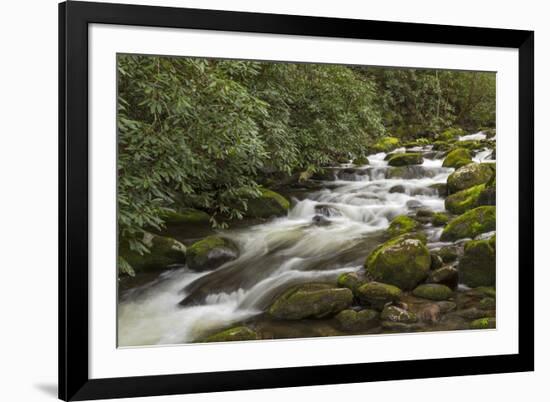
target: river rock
<point>488,196</point>
<point>450,134</point>
<point>470,224</point>
<point>405,159</point>
<point>414,204</point>
<point>351,320</point>
<point>440,219</point>
<point>397,314</point>
<point>327,210</point>
<point>210,253</point>
<point>268,204</point>
<point>377,294</point>
<point>385,144</point>
<point>468,176</point>
<point>440,189</point>
<point>185,216</point>
<point>449,253</point>
<point>437,261</point>
<point>360,161</point>
<point>399,188</point>
<point>457,158</point>
<point>163,251</point>
<point>351,280</point>
<point>233,334</point>
<point>402,224</point>
<point>447,275</point>
<point>433,291</point>
<point>464,200</point>
<point>403,262</point>
<point>320,220</point>
<point>409,172</point>
<point>478,266</point>
<point>311,300</point>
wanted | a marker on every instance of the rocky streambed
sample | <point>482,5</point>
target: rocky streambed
<point>401,241</point>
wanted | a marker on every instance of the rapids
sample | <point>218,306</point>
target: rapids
<point>327,232</point>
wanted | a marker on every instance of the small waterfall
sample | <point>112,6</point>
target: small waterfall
<point>355,208</point>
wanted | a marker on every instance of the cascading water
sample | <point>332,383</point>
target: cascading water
<point>329,232</point>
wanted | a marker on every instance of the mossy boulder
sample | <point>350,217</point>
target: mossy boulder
<point>311,301</point>
<point>468,176</point>
<point>402,224</point>
<point>487,303</point>
<point>268,204</point>
<point>488,291</point>
<point>478,265</point>
<point>403,262</point>
<point>433,291</point>
<point>385,144</point>
<point>185,216</point>
<point>405,159</point>
<point>163,251</point>
<point>463,200</point>
<point>450,134</point>
<point>470,224</point>
<point>377,294</point>
<point>440,189</point>
<point>351,320</point>
<point>397,314</point>
<point>440,219</point>
<point>210,253</point>
<point>233,334</point>
<point>457,158</point>
<point>446,275</point>
<point>484,323</point>
<point>350,280</point>
<point>488,195</point>
<point>449,253</point>
<point>360,161</point>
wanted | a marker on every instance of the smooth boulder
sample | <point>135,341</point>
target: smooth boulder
<point>402,224</point>
<point>433,291</point>
<point>464,200</point>
<point>406,159</point>
<point>457,158</point>
<point>403,262</point>
<point>233,334</point>
<point>351,320</point>
<point>162,252</point>
<point>185,216</point>
<point>468,176</point>
<point>377,294</point>
<point>268,204</point>
<point>470,224</point>
<point>478,265</point>
<point>311,301</point>
<point>210,253</point>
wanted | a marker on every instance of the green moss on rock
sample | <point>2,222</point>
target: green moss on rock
<point>351,320</point>
<point>233,334</point>
<point>440,219</point>
<point>402,224</point>
<point>457,158</point>
<point>210,253</point>
<point>403,262</point>
<point>377,294</point>
<point>468,176</point>
<point>183,216</point>
<point>484,323</point>
<point>405,159</point>
<point>360,161</point>
<point>397,314</point>
<point>350,280</point>
<point>462,201</point>
<point>163,251</point>
<point>268,204</point>
<point>311,300</point>
<point>433,291</point>
<point>450,134</point>
<point>478,265</point>
<point>470,224</point>
<point>446,275</point>
<point>386,144</point>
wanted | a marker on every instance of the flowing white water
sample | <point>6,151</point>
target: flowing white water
<point>473,137</point>
<point>329,232</point>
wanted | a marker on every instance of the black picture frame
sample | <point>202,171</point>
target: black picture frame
<point>74,18</point>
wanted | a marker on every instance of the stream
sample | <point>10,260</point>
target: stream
<point>329,230</point>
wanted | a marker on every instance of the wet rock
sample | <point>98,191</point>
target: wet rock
<point>414,204</point>
<point>311,300</point>
<point>446,306</point>
<point>405,159</point>
<point>433,291</point>
<point>470,224</point>
<point>351,280</point>
<point>440,219</point>
<point>464,200</point>
<point>385,144</point>
<point>449,253</point>
<point>484,323</point>
<point>440,188</point>
<point>351,320</point>
<point>352,173</point>
<point>210,253</point>
<point>428,312</point>
<point>185,216</point>
<point>163,251</point>
<point>377,294</point>
<point>401,326</point>
<point>233,334</point>
<point>325,174</point>
<point>398,189</point>
<point>437,261</point>
<point>320,220</point>
<point>468,176</point>
<point>487,303</point>
<point>403,262</point>
<point>362,160</point>
<point>424,213</point>
<point>488,291</point>
<point>478,266</point>
<point>457,158</point>
<point>450,134</point>
<point>327,210</point>
<point>267,205</point>
<point>397,314</point>
<point>488,196</point>
<point>447,275</point>
<point>409,172</point>
<point>402,224</point>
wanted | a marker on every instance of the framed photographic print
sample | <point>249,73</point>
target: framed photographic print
<point>257,200</point>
